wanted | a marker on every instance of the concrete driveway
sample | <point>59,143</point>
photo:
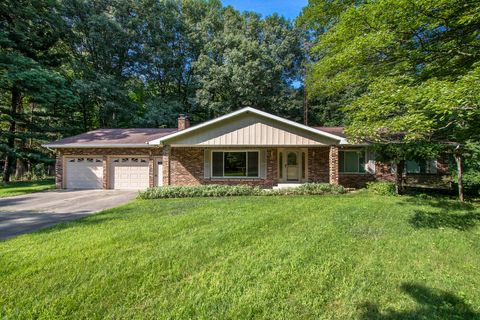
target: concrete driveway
<point>34,211</point>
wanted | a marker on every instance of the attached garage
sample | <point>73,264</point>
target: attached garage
<point>129,173</point>
<point>84,173</point>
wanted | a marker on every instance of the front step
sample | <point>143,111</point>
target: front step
<point>287,185</point>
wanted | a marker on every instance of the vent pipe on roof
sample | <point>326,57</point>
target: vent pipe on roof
<point>183,122</point>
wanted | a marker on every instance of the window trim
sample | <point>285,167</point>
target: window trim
<point>223,163</point>
<point>364,151</point>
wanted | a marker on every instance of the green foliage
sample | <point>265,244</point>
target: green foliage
<point>413,64</point>
<point>80,65</point>
<point>238,190</point>
<point>417,151</point>
<point>381,188</point>
<point>36,101</point>
<point>16,188</point>
<point>199,191</point>
<point>308,189</point>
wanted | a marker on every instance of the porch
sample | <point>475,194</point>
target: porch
<point>262,166</point>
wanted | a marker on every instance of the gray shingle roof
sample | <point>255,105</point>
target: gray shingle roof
<point>132,136</point>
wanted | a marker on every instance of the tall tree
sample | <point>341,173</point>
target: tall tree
<point>30,40</point>
<point>251,62</point>
<point>416,62</point>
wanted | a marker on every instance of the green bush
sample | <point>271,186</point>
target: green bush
<point>213,190</point>
<point>471,182</point>
<point>308,189</point>
<point>382,188</point>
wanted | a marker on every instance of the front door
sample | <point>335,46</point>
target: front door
<point>292,166</point>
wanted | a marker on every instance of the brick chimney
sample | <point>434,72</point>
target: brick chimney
<point>183,122</point>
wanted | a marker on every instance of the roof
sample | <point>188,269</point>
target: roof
<point>338,131</point>
<point>133,137</point>
<point>150,137</point>
<point>323,133</point>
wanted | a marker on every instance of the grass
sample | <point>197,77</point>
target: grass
<point>17,188</point>
<point>356,256</point>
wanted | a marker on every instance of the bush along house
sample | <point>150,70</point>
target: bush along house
<point>247,146</point>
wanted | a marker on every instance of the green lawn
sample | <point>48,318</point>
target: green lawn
<point>306,257</point>
<point>22,187</point>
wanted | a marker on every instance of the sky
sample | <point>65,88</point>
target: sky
<point>288,8</point>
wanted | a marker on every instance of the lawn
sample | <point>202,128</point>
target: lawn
<point>22,187</point>
<point>301,257</point>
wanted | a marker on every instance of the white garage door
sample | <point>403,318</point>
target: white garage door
<point>129,173</point>
<point>84,173</point>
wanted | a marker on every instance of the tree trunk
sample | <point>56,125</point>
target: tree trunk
<point>15,105</point>
<point>19,169</point>
<point>399,177</point>
<point>459,161</point>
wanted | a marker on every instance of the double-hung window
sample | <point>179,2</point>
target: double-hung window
<point>227,164</point>
<point>352,161</point>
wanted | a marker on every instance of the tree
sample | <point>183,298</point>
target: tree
<point>250,62</point>
<point>415,64</point>
<point>30,51</point>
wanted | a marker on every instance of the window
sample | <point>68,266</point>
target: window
<point>352,161</point>
<point>421,166</point>
<point>235,164</point>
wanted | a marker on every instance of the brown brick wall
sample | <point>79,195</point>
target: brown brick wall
<point>187,168</point>
<point>59,170</point>
<point>333,165</point>
<point>184,166</point>
<point>318,164</point>
<point>355,180</point>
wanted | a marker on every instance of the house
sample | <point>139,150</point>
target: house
<point>247,146</point>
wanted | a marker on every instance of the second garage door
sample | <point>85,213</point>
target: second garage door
<point>129,173</point>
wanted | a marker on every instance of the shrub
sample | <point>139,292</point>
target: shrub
<point>382,188</point>
<point>213,190</point>
<point>309,189</point>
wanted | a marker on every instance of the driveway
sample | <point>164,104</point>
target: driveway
<point>34,211</point>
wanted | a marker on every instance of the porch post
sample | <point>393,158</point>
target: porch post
<point>167,150</point>
<point>333,165</point>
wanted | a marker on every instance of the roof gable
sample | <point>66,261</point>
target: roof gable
<point>249,126</point>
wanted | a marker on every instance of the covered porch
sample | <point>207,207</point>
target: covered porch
<point>257,165</point>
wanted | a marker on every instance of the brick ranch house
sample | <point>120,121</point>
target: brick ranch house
<point>247,146</point>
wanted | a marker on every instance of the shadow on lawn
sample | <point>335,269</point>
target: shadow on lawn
<point>434,304</point>
<point>444,213</point>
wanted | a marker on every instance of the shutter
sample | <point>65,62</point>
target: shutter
<point>263,164</point>
<point>206,163</point>
<point>370,161</point>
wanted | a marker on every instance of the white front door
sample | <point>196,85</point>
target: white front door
<point>159,172</point>
<point>129,173</point>
<point>292,166</point>
<point>84,173</point>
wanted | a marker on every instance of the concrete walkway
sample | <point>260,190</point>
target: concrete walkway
<point>34,211</point>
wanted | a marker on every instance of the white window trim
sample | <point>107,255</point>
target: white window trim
<point>364,151</point>
<point>223,162</point>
